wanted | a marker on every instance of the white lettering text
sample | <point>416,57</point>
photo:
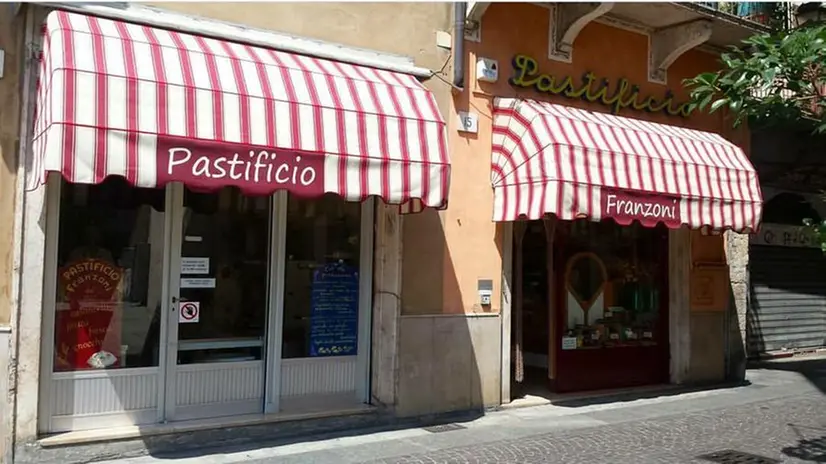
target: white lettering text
<point>256,167</point>
<point>638,208</point>
<point>173,162</point>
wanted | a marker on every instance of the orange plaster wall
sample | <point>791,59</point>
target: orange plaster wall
<point>469,243</point>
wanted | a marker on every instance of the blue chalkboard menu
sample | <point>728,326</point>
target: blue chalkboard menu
<point>335,308</point>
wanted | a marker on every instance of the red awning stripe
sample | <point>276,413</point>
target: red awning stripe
<point>112,96</point>
<point>553,159</point>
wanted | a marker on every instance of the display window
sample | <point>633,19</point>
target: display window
<point>108,295</point>
<point>203,301</point>
<point>321,282</point>
<point>613,284</point>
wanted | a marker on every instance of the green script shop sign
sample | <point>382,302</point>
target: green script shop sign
<point>617,96</point>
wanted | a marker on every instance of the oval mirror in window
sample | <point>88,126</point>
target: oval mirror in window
<point>585,279</point>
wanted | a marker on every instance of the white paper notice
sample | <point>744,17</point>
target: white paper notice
<point>189,311</point>
<point>194,265</point>
<point>197,282</point>
<point>193,238</point>
<point>568,343</point>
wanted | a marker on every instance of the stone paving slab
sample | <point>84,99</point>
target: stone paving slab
<point>790,430</point>
<point>774,416</point>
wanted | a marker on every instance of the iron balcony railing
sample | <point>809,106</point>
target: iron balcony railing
<point>777,15</point>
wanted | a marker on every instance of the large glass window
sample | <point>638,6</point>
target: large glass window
<point>109,279</point>
<point>224,277</point>
<point>322,274</point>
<point>614,284</point>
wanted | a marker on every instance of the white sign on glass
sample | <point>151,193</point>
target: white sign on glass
<point>190,265</point>
<point>197,282</point>
<point>189,312</point>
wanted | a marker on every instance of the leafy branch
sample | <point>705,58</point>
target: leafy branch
<point>776,79</point>
<point>773,79</point>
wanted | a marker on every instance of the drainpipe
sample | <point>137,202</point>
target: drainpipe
<point>459,13</point>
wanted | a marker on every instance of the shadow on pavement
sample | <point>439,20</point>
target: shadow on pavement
<point>811,367</point>
<point>807,449</point>
<point>632,395</point>
<point>239,442</point>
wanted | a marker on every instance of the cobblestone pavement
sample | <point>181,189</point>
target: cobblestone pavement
<point>781,415</point>
<point>788,430</point>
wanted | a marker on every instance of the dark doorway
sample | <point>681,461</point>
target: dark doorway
<point>594,310</point>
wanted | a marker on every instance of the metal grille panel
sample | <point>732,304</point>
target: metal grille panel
<point>444,428</point>
<point>737,457</point>
<point>788,299</point>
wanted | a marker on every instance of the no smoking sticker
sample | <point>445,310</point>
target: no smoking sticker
<point>188,311</point>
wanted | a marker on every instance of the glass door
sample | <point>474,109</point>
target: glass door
<point>220,300</point>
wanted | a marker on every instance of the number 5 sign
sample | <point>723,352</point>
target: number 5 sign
<point>188,311</point>
<point>468,122</point>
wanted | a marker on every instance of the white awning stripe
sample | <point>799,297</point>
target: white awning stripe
<point>553,159</point>
<point>111,93</point>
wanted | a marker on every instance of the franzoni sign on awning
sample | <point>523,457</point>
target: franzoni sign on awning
<point>156,106</point>
<point>572,163</point>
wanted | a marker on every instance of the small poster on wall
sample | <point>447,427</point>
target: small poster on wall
<point>334,311</point>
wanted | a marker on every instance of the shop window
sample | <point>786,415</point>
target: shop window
<point>321,279</point>
<point>614,285</point>
<point>110,251</point>
<point>225,272</point>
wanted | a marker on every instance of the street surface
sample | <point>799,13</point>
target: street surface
<point>780,417</point>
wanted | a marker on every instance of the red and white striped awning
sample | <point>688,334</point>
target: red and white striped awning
<point>553,159</point>
<point>157,106</point>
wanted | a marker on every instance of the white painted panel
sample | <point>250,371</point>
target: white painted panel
<point>101,421</point>
<point>310,376</point>
<point>219,382</point>
<point>83,393</point>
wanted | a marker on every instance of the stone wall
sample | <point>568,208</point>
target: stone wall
<point>448,363</point>
<point>11,40</point>
<point>737,256</point>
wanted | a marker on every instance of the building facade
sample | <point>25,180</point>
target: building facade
<point>208,214</point>
<point>561,108</point>
<point>217,222</point>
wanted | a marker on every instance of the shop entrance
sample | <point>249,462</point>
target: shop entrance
<point>590,309</point>
<point>174,304</point>
<point>219,288</point>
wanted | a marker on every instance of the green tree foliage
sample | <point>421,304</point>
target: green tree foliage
<point>772,80</point>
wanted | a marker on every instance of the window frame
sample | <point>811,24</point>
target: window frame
<point>273,369</point>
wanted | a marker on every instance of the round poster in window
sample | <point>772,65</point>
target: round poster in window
<point>87,325</point>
